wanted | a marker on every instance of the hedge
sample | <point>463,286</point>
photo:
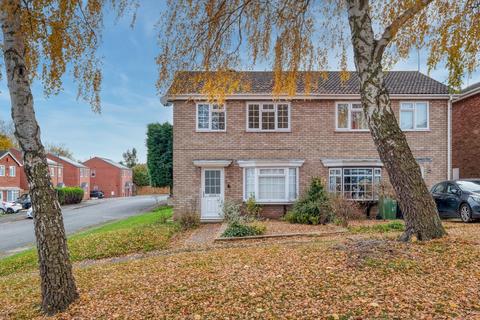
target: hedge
<point>70,195</point>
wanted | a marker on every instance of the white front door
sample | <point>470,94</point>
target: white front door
<point>212,193</point>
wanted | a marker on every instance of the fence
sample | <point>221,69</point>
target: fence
<point>152,190</point>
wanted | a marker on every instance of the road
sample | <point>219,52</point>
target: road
<point>18,235</point>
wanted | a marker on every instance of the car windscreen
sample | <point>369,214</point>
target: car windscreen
<point>470,186</point>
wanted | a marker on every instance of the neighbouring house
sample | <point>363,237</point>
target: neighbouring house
<point>255,145</point>
<point>110,177</point>
<point>75,174</point>
<point>466,133</point>
<point>10,167</point>
<point>56,171</point>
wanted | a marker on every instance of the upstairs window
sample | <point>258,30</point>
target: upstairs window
<point>268,116</point>
<point>350,117</point>
<point>13,171</point>
<point>210,117</point>
<point>52,171</point>
<point>2,171</point>
<point>414,116</point>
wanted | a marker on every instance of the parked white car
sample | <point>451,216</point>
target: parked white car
<point>10,207</point>
<point>30,213</point>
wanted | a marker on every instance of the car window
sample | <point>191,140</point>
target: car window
<point>472,186</point>
<point>452,189</point>
<point>439,188</point>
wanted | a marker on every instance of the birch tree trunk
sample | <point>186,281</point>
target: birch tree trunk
<point>416,202</point>
<point>57,281</point>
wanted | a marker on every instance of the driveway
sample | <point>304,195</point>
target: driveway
<point>18,235</point>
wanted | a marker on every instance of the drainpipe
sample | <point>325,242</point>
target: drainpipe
<point>449,138</point>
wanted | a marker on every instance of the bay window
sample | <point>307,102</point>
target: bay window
<point>350,117</point>
<point>271,184</point>
<point>210,117</point>
<point>414,116</point>
<point>355,183</point>
<point>268,116</point>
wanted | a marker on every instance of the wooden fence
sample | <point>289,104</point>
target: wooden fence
<point>152,190</point>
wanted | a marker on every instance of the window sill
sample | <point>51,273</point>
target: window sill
<point>416,130</point>
<point>351,131</point>
<point>263,202</point>
<point>210,131</point>
<point>268,131</point>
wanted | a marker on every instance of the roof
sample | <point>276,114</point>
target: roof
<point>70,161</point>
<point>3,153</point>
<point>113,163</point>
<point>474,86</point>
<point>323,83</point>
<point>469,91</point>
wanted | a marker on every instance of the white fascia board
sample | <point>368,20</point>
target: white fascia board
<point>352,163</point>
<point>212,163</point>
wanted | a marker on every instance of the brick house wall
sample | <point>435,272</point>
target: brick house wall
<point>74,175</point>
<point>466,136</point>
<point>8,182</point>
<point>108,178</point>
<point>312,137</point>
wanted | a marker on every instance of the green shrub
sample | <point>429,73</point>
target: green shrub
<point>231,212</point>
<point>252,208</point>
<point>70,195</point>
<point>313,207</point>
<point>394,226</point>
<point>243,230</point>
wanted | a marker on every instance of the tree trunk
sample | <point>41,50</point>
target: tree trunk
<point>57,281</point>
<point>416,202</point>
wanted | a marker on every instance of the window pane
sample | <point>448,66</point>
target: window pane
<point>253,116</point>
<point>421,116</point>
<point>358,120</point>
<point>203,116</point>
<point>342,116</point>
<point>271,171</point>
<point>271,188</point>
<point>268,117</point>
<point>2,170</point>
<point>249,183</point>
<point>218,120</point>
<point>406,106</point>
<point>282,116</point>
<point>292,183</point>
<point>212,182</point>
<point>406,120</point>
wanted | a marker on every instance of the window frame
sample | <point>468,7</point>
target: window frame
<point>414,111</point>
<point>210,107</point>
<point>256,177</point>
<point>275,107</point>
<point>14,171</point>
<point>349,117</point>
<point>2,171</point>
<point>376,172</point>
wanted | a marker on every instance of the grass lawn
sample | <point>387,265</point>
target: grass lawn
<point>363,275</point>
<point>141,233</point>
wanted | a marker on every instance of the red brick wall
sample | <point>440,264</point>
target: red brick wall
<point>312,137</point>
<point>7,181</point>
<point>466,136</point>
<point>71,175</point>
<point>109,178</point>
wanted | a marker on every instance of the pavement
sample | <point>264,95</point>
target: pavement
<point>17,233</point>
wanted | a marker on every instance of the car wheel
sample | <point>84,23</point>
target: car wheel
<point>2,211</point>
<point>10,211</point>
<point>465,213</point>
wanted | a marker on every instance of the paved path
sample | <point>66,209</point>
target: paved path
<point>17,235</point>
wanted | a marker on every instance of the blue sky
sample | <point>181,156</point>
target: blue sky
<point>129,96</point>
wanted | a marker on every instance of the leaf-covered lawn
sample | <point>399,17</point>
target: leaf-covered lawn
<point>141,233</point>
<point>353,277</point>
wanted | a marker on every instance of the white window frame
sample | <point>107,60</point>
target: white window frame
<point>257,175</point>
<point>12,169</point>
<point>2,171</point>
<point>414,110</point>
<point>275,108</point>
<point>349,116</point>
<point>14,193</point>
<point>210,107</point>
<point>52,172</point>
<point>375,174</point>
<point>60,169</point>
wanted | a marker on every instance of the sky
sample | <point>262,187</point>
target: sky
<point>129,97</point>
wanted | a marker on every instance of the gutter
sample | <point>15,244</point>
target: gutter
<point>449,138</point>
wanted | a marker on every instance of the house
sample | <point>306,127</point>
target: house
<point>255,145</point>
<point>113,178</point>
<point>10,167</point>
<point>56,171</point>
<point>75,174</point>
<point>466,133</point>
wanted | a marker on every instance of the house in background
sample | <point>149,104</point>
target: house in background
<point>74,173</point>
<point>10,167</point>
<point>56,171</point>
<point>466,133</point>
<point>269,148</point>
<point>110,177</point>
